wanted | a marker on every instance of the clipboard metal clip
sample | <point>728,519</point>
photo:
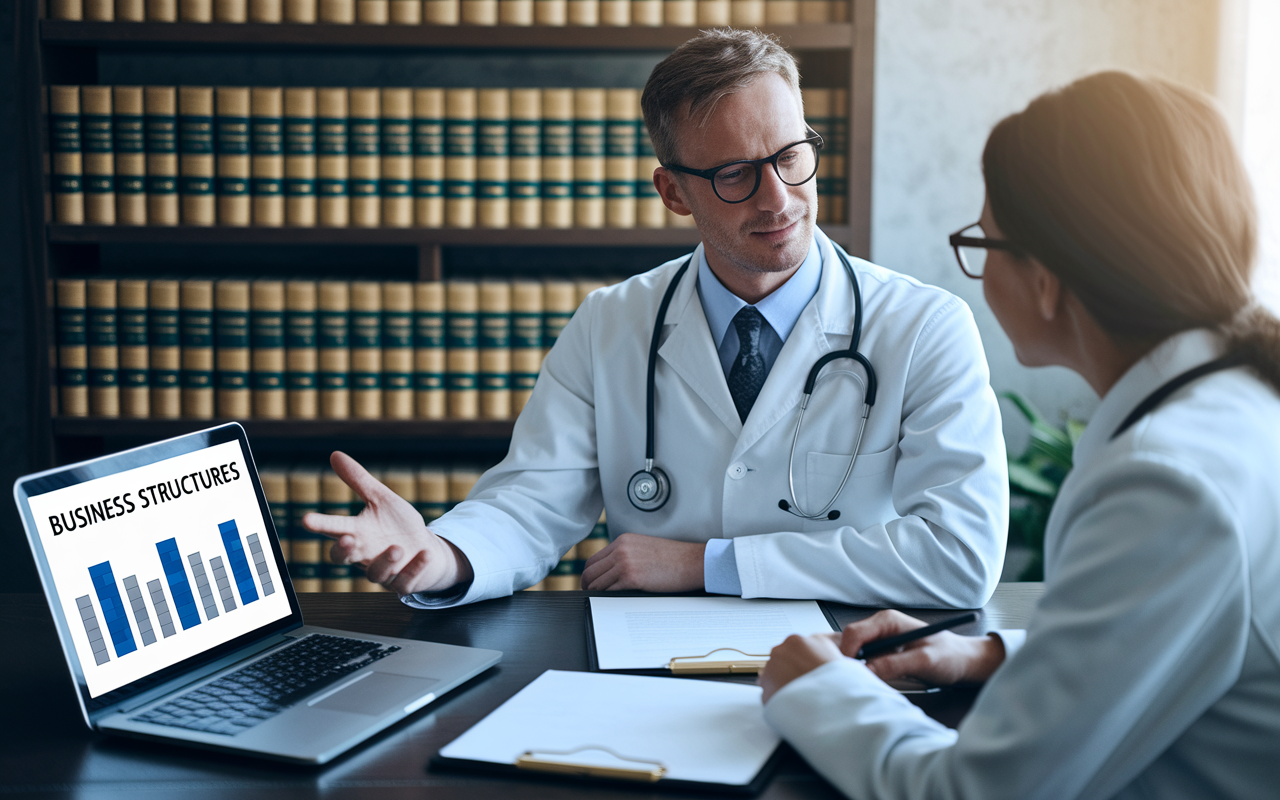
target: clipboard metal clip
<point>750,663</point>
<point>538,761</point>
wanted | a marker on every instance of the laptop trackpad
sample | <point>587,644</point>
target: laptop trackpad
<point>377,693</point>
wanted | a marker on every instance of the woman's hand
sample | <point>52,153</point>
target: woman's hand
<point>939,660</point>
<point>796,656</point>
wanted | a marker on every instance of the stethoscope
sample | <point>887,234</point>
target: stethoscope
<point>649,489</point>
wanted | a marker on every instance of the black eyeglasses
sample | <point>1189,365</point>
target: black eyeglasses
<point>738,181</point>
<point>971,251</point>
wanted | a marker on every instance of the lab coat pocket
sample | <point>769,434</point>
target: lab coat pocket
<point>870,485</point>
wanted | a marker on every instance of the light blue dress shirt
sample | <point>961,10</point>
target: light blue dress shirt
<point>781,310</point>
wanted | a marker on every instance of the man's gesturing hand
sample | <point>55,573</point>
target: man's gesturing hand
<point>649,563</point>
<point>388,537</point>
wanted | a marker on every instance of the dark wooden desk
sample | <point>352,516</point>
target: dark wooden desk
<point>46,751</point>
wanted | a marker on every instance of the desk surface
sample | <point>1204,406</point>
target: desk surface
<point>47,752</point>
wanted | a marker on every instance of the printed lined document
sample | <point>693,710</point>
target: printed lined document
<point>647,632</point>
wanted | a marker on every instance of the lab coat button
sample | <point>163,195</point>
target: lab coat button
<point>737,470</point>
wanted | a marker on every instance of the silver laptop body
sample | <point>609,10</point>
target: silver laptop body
<point>160,595</point>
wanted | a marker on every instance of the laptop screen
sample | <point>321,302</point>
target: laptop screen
<point>158,563</point>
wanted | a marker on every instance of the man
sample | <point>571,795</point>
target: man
<point>921,512</point>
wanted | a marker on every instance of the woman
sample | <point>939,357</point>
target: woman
<point>1119,236</point>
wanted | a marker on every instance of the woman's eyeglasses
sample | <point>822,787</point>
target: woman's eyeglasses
<point>971,251</point>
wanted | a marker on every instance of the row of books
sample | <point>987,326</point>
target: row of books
<point>616,13</point>
<point>367,157</point>
<point>432,488</point>
<point>271,349</point>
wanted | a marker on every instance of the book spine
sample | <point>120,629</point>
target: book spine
<point>266,337</point>
<point>373,12</point>
<point>162,10</point>
<point>99,155</point>
<point>104,353</point>
<point>305,547</point>
<point>553,13</point>
<point>781,12</point>
<point>160,104</point>
<point>366,350</point>
<point>130,144</point>
<point>99,10</point>
<point>432,499</point>
<point>746,13</point>
<point>646,13</point>
<point>615,13</point>
<point>131,11</point>
<point>817,111</point>
<point>232,135</point>
<point>460,158</point>
<point>68,160</point>
<point>479,12</point>
<point>680,13</point>
<point>302,360</point>
<point>518,13</point>
<point>331,158</point>
<point>73,351</point>
<point>66,9</point>
<point>584,287</point>
<point>559,300</point>
<point>714,13</point>
<point>266,143</point>
<point>814,12</point>
<point>557,158</point>
<point>397,350</point>
<point>406,12</point>
<point>495,349</point>
<point>364,161</point>
<point>303,12</point>
<point>135,388</point>
<point>397,158</point>
<point>429,350</point>
<point>275,485</point>
<point>838,154</point>
<point>197,349</point>
<point>526,158</point>
<point>623,111</point>
<point>462,357</point>
<point>195,10</point>
<point>650,211</point>
<point>588,158</point>
<point>233,11</point>
<point>165,351</point>
<point>462,479</point>
<point>231,353</point>
<point>333,326</point>
<point>441,12</point>
<point>526,341</point>
<point>493,135</point>
<point>583,13</point>
<point>338,12</point>
<point>336,499</point>
<point>300,157</point>
<point>195,147</point>
<point>428,157</point>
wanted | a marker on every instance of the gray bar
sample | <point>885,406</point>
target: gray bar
<point>139,610</point>
<point>224,585</point>
<point>90,620</point>
<point>162,608</point>
<point>260,563</point>
<point>202,583</point>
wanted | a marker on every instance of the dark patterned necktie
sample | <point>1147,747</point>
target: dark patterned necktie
<point>747,374</point>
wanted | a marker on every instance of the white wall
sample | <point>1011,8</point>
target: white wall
<point>946,72</point>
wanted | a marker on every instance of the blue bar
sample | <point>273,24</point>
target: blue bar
<point>183,601</point>
<point>239,564</point>
<point>112,608</point>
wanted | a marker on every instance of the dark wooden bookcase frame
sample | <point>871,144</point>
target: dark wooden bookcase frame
<point>55,51</point>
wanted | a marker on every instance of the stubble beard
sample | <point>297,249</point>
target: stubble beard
<point>738,248</point>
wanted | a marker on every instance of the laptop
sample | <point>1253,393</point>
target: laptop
<point>173,605</point>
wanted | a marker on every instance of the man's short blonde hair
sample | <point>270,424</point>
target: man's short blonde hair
<point>688,84</point>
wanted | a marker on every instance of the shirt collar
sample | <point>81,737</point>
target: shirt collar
<point>781,309</point>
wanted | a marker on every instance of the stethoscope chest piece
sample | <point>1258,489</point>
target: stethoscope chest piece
<point>649,489</point>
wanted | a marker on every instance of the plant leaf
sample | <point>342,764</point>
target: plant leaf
<point>1075,429</point>
<point>1024,405</point>
<point>1028,480</point>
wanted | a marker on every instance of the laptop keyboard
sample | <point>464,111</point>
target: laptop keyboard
<point>241,699</point>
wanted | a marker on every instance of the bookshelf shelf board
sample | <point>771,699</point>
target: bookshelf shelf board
<point>824,36</point>
<point>290,428</point>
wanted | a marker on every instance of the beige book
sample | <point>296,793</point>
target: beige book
<point>559,301</point>
<point>397,350</point>
<point>165,355</point>
<point>304,12</point>
<point>746,13</point>
<point>479,12</point>
<point>99,155</point>
<point>232,357</point>
<point>130,145</point>
<point>160,104</point>
<point>268,12</point>
<point>162,10</point>
<point>366,350</point>
<point>838,154</point>
<point>300,157</point>
<point>195,10</point>
<point>373,12</point>
<point>428,157</point>
<point>333,322</point>
<point>584,287</point>
<point>517,13</point>
<point>441,12</point>
<point>338,12</point>
<point>621,124</point>
<point>815,11</point>
<point>493,120</point>
<point>332,184</point>
<point>551,13</point>
<point>68,160</point>
<point>406,12</point>
<point>104,353</point>
<point>73,351</point>
<point>615,13</point>
<point>680,13</point>
<point>99,10</point>
<point>266,333</point>
<point>131,10</point>
<point>235,207</point>
<point>275,486</point>
<point>714,13</point>
<point>432,498</point>
<point>429,350</point>
<point>195,148</point>
<point>302,364</point>
<point>525,163</point>
<point>197,349</point>
<point>650,210</point>
<point>462,479</point>
<point>235,11</point>
<point>817,113</point>
<point>557,158</point>
<point>583,13</point>
<point>402,481</point>
<point>266,104</point>
<point>306,554</point>
<point>526,341</point>
<point>495,349</point>
<point>396,151</point>
<point>460,158</point>
<point>646,13</point>
<point>364,162</point>
<point>336,498</point>
<point>588,158</point>
<point>462,358</point>
<point>66,9</point>
<point>135,396</point>
<point>781,12</point>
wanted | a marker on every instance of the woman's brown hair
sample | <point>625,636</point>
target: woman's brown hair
<point>1130,190</point>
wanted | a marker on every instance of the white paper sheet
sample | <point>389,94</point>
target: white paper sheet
<point>708,731</point>
<point>647,632</point>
